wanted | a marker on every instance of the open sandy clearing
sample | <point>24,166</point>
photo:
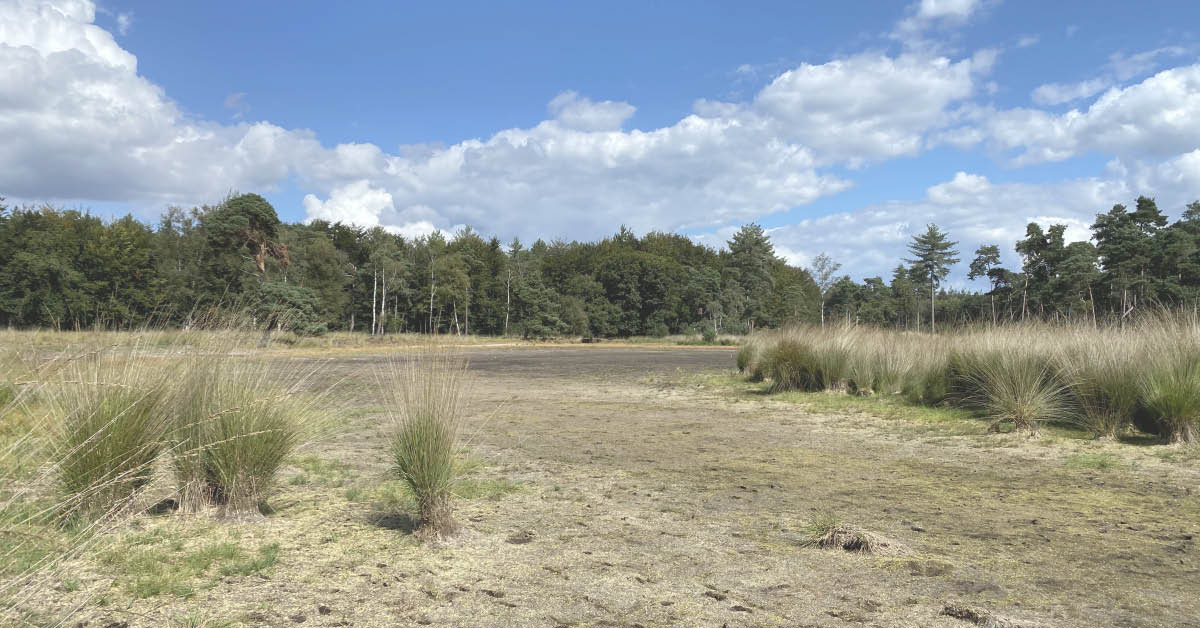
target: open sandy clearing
<point>616,487</point>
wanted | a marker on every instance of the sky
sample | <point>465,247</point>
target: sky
<point>841,127</point>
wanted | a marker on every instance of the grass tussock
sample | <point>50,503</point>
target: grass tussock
<point>426,396</point>
<point>826,531</point>
<point>106,427</point>
<point>1108,381</point>
<point>234,424</point>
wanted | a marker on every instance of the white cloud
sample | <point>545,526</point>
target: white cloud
<point>578,113</point>
<point>926,15</point>
<point>1027,41</point>
<point>124,23</point>
<point>356,203</point>
<point>849,109</point>
<point>1156,118</point>
<point>79,123</point>
<point>970,208</point>
<point>1126,66</point>
<point>75,103</point>
<point>1059,93</point>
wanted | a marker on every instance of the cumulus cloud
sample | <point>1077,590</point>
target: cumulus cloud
<point>1156,118</point>
<point>357,203</point>
<point>847,109</point>
<point>80,123</point>
<point>581,114</point>
<point>972,209</point>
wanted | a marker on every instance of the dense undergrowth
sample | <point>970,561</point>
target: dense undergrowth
<point>1108,381</point>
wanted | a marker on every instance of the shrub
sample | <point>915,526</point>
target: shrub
<point>426,398</point>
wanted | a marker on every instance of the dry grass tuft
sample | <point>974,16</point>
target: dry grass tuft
<point>828,532</point>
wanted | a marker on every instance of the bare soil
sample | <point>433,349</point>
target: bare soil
<point>623,486</point>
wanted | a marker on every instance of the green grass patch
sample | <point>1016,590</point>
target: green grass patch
<point>321,472</point>
<point>156,563</point>
<point>1093,461</point>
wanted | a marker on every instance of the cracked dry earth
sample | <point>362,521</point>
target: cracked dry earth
<point>645,497</point>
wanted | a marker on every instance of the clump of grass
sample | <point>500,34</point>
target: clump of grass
<point>107,428</point>
<point>426,394</point>
<point>792,365</point>
<point>749,358</point>
<point>1013,385</point>
<point>826,531</point>
<point>235,424</point>
<point>1104,380</point>
<point>1171,393</point>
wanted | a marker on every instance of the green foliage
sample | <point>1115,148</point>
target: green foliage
<point>66,269</point>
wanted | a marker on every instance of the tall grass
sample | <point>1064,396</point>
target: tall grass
<point>1103,379</point>
<point>107,426</point>
<point>234,423</point>
<point>80,430</point>
<point>1011,383</point>
<point>1171,393</point>
<point>426,396</point>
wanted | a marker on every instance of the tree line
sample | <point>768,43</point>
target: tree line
<point>66,269</point>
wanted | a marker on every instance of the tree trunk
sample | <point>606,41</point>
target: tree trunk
<point>932,310</point>
<point>374,291</point>
<point>507,303</point>
<point>383,303</point>
<point>432,291</point>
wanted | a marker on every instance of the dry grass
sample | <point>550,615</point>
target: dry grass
<point>828,532</point>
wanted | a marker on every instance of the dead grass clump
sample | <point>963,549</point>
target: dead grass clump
<point>426,397</point>
<point>828,532</point>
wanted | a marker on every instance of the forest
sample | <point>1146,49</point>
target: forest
<point>67,269</point>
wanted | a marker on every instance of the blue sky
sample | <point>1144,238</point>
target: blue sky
<point>843,126</point>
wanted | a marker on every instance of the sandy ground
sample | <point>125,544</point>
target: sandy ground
<point>622,486</point>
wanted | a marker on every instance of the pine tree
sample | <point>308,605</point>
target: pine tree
<point>933,255</point>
